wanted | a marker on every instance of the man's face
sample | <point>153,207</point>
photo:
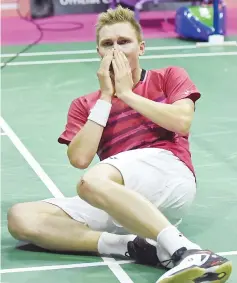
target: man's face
<point>121,36</point>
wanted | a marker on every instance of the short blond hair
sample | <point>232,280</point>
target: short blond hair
<point>118,15</point>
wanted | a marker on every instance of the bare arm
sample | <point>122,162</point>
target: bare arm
<point>176,117</point>
<point>84,145</point>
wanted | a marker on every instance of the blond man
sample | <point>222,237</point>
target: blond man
<point>138,123</point>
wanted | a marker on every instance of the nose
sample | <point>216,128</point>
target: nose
<point>117,46</point>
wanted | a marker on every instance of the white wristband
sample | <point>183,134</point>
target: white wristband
<point>100,112</point>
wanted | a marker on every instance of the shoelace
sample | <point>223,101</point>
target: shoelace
<point>171,260</point>
<point>175,258</point>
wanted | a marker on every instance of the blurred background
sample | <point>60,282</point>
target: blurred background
<point>74,20</point>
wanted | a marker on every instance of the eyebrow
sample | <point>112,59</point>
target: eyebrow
<point>109,39</point>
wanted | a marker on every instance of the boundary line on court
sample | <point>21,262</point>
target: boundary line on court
<point>31,160</point>
<point>62,266</point>
<point>112,264</point>
<point>232,253</point>
<point>145,57</point>
<point>93,51</point>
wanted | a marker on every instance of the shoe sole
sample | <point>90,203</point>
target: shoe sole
<point>189,275</point>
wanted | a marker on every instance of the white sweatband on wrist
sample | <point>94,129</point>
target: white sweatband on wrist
<point>100,112</point>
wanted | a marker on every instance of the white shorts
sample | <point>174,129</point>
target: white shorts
<point>156,174</point>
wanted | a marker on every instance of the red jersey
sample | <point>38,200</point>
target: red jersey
<point>127,129</point>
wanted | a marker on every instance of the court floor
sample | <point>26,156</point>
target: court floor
<point>37,90</point>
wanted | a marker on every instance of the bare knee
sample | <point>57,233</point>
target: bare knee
<point>94,179</point>
<point>96,191</point>
<point>84,187</point>
<point>20,219</point>
<point>92,190</point>
<point>25,219</point>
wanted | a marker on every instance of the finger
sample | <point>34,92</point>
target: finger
<point>115,67</point>
<point>106,61</point>
<point>123,58</point>
<point>125,62</point>
<point>118,59</point>
<point>107,54</point>
<point>107,58</point>
<point>127,65</point>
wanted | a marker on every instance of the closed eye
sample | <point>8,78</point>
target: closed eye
<point>124,41</point>
<point>107,43</point>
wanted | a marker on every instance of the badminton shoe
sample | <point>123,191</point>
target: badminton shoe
<point>142,252</point>
<point>197,266</point>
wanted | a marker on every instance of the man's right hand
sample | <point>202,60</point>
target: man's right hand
<point>106,84</point>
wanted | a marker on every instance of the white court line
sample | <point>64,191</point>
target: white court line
<point>228,253</point>
<point>3,134</point>
<point>30,160</point>
<point>107,261</point>
<point>118,271</point>
<point>63,266</point>
<point>92,51</point>
<point>145,57</point>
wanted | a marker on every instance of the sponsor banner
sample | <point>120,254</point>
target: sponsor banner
<point>80,6</point>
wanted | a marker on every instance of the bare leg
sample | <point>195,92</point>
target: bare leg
<point>129,208</point>
<point>102,187</point>
<point>47,226</point>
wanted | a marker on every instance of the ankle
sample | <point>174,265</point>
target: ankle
<point>171,239</point>
<point>112,244</point>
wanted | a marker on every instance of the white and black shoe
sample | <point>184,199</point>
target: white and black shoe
<point>197,266</point>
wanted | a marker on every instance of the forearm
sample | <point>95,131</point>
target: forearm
<point>168,116</point>
<point>84,145</point>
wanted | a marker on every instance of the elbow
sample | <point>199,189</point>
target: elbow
<point>184,126</point>
<point>79,163</point>
<point>78,160</point>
